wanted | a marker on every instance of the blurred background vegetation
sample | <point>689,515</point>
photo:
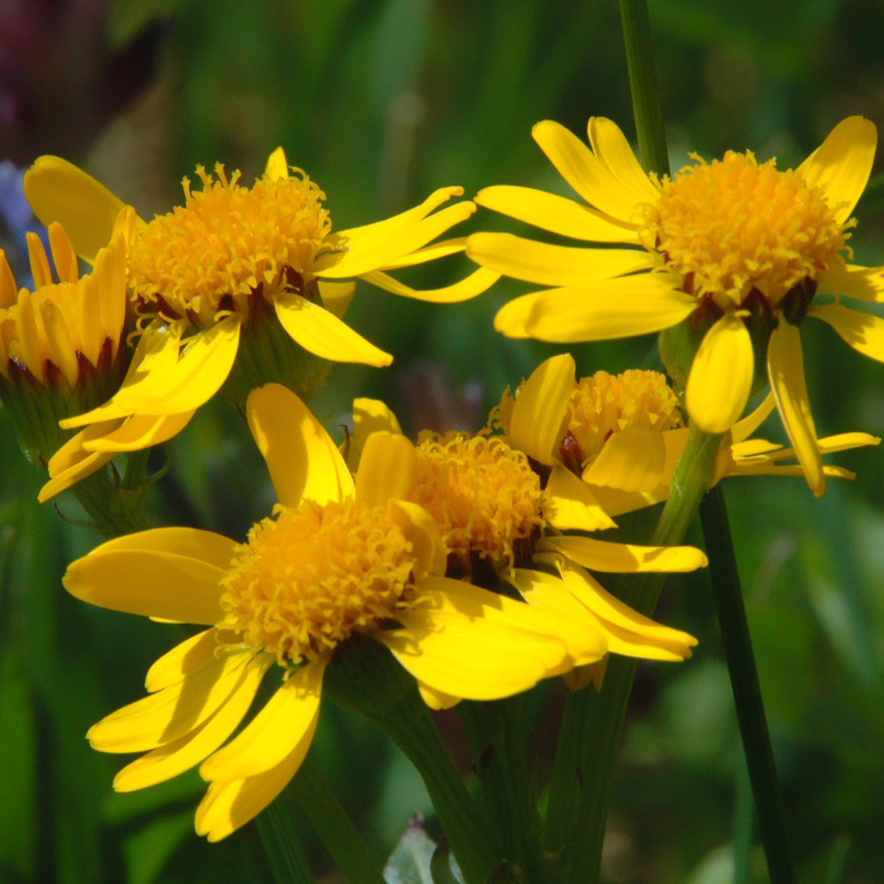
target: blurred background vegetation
<point>381,101</point>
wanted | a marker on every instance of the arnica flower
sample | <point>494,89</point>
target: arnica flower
<point>739,249</point>
<point>623,435</point>
<point>60,344</point>
<point>254,271</point>
<point>337,559</point>
<point>493,515</point>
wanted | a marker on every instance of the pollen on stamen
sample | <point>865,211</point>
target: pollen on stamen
<point>228,242</point>
<point>604,404</point>
<point>733,225</point>
<point>481,492</point>
<point>309,577</point>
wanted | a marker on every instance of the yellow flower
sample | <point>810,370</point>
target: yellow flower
<point>235,262</point>
<point>339,557</point>
<point>623,435</point>
<point>493,517</point>
<point>740,247</point>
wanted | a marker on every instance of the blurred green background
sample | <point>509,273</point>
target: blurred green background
<point>381,101</point>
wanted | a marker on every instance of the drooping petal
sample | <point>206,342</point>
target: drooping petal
<point>170,573</point>
<point>610,145</point>
<point>366,252</point>
<point>172,712</point>
<point>58,191</point>
<point>721,376</point>
<point>301,458</point>
<point>862,283</point>
<point>73,462</point>
<point>139,432</point>
<point>182,659</point>
<point>552,265</point>
<point>173,758</point>
<point>541,406</point>
<point>512,319</point>
<point>841,165</point>
<point>436,700</point>
<point>385,468</point>
<point>570,505</point>
<point>623,558</point>
<point>336,296</point>
<point>863,331</point>
<point>369,416</point>
<point>785,370</point>
<point>614,308</point>
<point>744,428</point>
<point>230,805</point>
<point>633,459</point>
<point>443,248</point>
<point>579,166</point>
<point>274,732</point>
<point>475,284</point>
<point>422,531</point>
<point>554,213</point>
<point>322,333</point>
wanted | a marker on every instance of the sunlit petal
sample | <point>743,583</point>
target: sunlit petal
<point>385,468</point>
<point>633,459</point>
<point>476,283</point>
<point>863,331</point>
<point>570,505</point>
<point>612,148</point>
<point>623,558</point>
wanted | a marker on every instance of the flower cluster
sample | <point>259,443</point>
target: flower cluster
<point>475,559</point>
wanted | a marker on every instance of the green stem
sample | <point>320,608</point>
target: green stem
<point>747,691</point>
<point>114,509</point>
<point>592,726</point>
<point>365,677</point>
<point>334,827</point>
<point>283,847</point>
<point>643,85</point>
<point>496,733</point>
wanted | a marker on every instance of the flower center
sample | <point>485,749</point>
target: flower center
<point>733,226</point>
<point>310,576</point>
<point>228,242</point>
<point>482,494</point>
<point>605,404</point>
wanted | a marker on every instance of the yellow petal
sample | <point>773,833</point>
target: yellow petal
<point>863,331</point>
<point>336,296</point>
<point>369,416</point>
<point>623,558</point>
<point>63,255</point>
<point>557,214</point>
<point>367,252</point>
<point>228,806</point>
<point>274,732</point>
<point>846,441</point>
<point>422,531</point>
<point>40,271</point>
<point>633,459</point>
<point>59,191</point>
<point>862,283</point>
<point>436,700</point>
<point>841,165</point>
<point>8,288</point>
<point>28,337</point>
<point>139,432</point>
<point>540,408</point>
<point>72,462</point>
<point>171,573</point>
<point>59,339</point>
<point>385,468</point>
<point>173,758</point>
<point>512,319</point>
<point>785,370</point>
<point>614,308</point>
<point>569,504</point>
<point>545,264</point>
<point>322,333</point>
<point>578,165</point>
<point>277,165</point>
<point>610,145</point>
<point>171,713</point>
<point>475,284</point>
<point>301,458</point>
<point>744,428</point>
<point>183,658</point>
<point>443,248</point>
<point>721,376</point>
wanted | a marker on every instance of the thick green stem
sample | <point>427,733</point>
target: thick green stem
<point>496,733</point>
<point>746,688</point>
<point>643,85</point>
<point>334,827</point>
<point>365,677</point>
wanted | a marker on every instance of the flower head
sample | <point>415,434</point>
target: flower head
<point>338,558</point>
<point>734,253</point>
<point>243,285</point>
